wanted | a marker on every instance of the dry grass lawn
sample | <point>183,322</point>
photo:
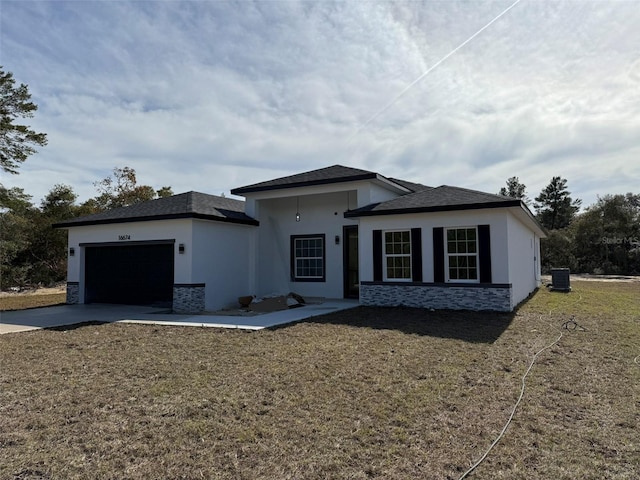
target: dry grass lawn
<point>367,393</point>
<point>21,301</point>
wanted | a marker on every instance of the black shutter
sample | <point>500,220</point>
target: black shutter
<point>377,255</point>
<point>292,263</point>
<point>438,255</point>
<point>416,254</point>
<point>484,251</point>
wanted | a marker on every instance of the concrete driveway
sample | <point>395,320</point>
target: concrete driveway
<point>37,318</point>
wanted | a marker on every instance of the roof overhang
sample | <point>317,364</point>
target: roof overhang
<point>391,185</point>
<point>525,216</point>
<point>517,207</point>
<point>381,180</point>
<point>371,212</point>
<point>265,188</point>
<point>199,216</point>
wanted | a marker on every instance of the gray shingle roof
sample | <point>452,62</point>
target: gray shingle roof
<point>443,198</point>
<point>414,187</point>
<point>184,205</point>
<point>322,176</point>
<point>212,207</point>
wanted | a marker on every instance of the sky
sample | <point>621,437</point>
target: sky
<point>213,95</point>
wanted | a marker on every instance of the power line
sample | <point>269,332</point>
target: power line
<point>424,74</point>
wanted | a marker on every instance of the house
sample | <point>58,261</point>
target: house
<point>336,232</point>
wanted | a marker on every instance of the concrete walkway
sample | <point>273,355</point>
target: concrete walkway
<point>37,318</point>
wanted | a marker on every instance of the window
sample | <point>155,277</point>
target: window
<point>397,255</point>
<point>307,258</point>
<point>462,254</point>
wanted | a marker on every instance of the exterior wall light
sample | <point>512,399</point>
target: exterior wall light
<point>337,239</point>
<point>181,248</point>
<point>297,209</point>
<point>72,252</point>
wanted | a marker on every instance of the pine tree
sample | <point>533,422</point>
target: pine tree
<point>554,206</point>
<point>514,189</point>
<point>16,141</point>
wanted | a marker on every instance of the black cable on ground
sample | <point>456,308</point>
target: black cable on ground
<point>569,325</point>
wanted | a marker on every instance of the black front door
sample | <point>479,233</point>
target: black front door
<point>350,262</point>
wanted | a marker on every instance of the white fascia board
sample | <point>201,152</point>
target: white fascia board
<point>386,183</point>
<point>302,191</point>
<point>325,188</point>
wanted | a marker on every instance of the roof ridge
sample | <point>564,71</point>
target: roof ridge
<point>319,176</point>
<point>182,205</point>
<point>478,191</point>
<point>413,186</point>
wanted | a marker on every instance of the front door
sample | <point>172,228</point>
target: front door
<point>350,262</point>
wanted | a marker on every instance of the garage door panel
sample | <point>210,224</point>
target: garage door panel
<point>129,274</point>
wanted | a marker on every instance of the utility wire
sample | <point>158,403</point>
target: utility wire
<point>569,325</point>
<point>424,74</point>
<point>504,429</point>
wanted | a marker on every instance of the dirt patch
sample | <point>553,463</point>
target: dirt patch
<point>382,393</point>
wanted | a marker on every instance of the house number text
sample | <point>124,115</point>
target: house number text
<point>124,237</point>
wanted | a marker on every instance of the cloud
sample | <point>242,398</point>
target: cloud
<point>213,95</point>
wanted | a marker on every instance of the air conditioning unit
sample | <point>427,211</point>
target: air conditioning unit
<point>560,280</point>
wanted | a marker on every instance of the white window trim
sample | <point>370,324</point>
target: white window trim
<point>385,256</point>
<point>446,256</point>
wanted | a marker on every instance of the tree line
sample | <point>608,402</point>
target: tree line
<point>602,239</point>
<point>33,253</point>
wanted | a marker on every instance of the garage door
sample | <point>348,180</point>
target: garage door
<point>129,274</point>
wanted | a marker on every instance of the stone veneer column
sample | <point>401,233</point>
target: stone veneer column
<point>188,297</point>
<point>73,293</point>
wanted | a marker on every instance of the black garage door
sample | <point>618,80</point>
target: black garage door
<point>129,274</point>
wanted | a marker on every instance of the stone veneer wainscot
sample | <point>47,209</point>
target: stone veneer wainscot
<point>188,297</point>
<point>73,293</point>
<point>494,297</point>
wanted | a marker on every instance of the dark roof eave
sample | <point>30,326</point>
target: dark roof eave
<point>438,208</point>
<point>200,216</point>
<point>354,178</point>
<point>533,218</point>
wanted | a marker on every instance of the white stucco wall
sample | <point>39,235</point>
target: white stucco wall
<point>353,195</point>
<point>369,192</point>
<point>222,260</point>
<point>217,254</point>
<point>178,230</point>
<point>319,214</point>
<point>428,221</point>
<point>524,252</point>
